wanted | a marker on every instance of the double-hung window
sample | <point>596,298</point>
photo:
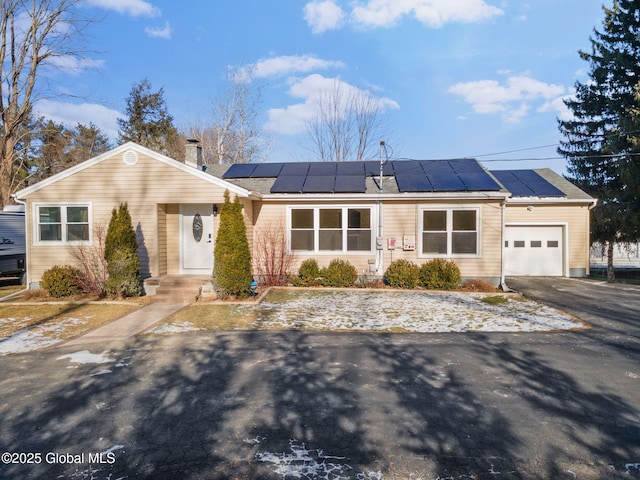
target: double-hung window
<point>62,223</point>
<point>449,232</point>
<point>330,229</point>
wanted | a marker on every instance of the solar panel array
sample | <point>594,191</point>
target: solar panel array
<point>526,183</point>
<point>463,175</point>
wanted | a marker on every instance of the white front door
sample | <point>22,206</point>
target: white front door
<point>534,250</point>
<point>196,235</point>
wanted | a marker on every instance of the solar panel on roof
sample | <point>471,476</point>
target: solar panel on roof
<point>539,186</point>
<point>322,168</point>
<point>478,181</point>
<point>446,182</point>
<point>288,184</point>
<point>526,183</point>
<point>294,169</point>
<point>350,168</point>
<point>350,184</point>
<point>410,182</point>
<point>267,170</point>
<point>467,165</point>
<point>318,184</point>
<point>239,170</point>
<point>436,166</point>
<point>408,166</point>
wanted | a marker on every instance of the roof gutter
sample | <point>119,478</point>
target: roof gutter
<point>286,197</point>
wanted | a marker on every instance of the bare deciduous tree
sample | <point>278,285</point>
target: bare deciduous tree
<point>347,125</point>
<point>33,34</point>
<point>233,134</point>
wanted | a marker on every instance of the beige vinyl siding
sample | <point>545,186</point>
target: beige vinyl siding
<point>143,186</point>
<point>575,217</point>
<point>401,218</point>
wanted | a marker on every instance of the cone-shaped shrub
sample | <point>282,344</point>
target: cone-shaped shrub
<point>121,254</point>
<point>232,260</point>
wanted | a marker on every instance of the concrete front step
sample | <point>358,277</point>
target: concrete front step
<point>175,289</point>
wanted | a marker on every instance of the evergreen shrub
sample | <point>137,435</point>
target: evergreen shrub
<point>121,254</point>
<point>232,259</point>
<point>440,274</point>
<point>402,274</point>
<point>308,274</point>
<point>339,273</point>
<point>61,281</point>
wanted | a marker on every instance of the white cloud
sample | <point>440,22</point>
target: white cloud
<point>513,99</point>
<point>326,15</point>
<point>160,32</point>
<point>557,105</point>
<point>70,114</point>
<point>288,64</point>
<point>323,15</point>
<point>293,119</point>
<point>135,8</point>
<point>73,65</point>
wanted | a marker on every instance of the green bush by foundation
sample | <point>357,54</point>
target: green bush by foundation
<point>61,281</point>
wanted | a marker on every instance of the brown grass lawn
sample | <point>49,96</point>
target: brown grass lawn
<point>14,318</point>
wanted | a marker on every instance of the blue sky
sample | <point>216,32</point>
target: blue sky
<point>457,78</point>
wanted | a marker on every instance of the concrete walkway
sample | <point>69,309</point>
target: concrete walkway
<point>129,325</point>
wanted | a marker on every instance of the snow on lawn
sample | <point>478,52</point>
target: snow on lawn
<point>407,311</point>
<point>33,337</point>
<point>170,328</point>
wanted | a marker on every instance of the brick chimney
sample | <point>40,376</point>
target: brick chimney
<point>193,153</point>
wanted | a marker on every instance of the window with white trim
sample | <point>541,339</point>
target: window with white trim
<point>62,223</point>
<point>330,229</point>
<point>448,232</point>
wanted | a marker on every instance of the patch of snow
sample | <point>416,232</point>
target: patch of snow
<point>408,311</point>
<point>85,356</point>
<point>169,328</point>
<point>312,464</point>
<point>100,372</point>
<point>31,338</point>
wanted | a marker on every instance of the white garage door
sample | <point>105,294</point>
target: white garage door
<point>533,250</point>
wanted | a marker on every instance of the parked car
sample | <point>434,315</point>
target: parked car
<point>12,242</point>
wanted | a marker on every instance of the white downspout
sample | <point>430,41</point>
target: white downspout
<point>503,283</point>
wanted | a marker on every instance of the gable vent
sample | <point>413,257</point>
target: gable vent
<point>130,157</point>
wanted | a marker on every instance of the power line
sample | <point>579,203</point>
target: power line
<point>515,151</point>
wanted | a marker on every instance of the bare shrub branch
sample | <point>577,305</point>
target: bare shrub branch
<point>273,262</point>
<point>91,262</point>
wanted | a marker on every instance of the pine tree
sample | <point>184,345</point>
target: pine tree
<point>232,260</point>
<point>600,138</point>
<point>149,123</point>
<point>121,254</point>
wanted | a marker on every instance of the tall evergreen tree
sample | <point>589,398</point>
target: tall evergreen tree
<point>87,142</point>
<point>53,146</point>
<point>149,123</point>
<point>600,139</point>
<point>232,259</point>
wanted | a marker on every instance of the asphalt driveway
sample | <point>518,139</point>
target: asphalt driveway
<point>281,405</point>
